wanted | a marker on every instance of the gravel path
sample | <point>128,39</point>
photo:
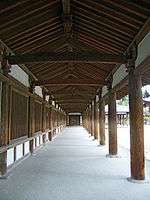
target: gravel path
<point>73,167</point>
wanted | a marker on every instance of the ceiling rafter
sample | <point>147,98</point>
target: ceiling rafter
<point>54,38</point>
<point>32,30</point>
<point>129,7</point>
<point>114,45</point>
<point>24,12</point>
<point>88,39</point>
<point>28,20</point>
<point>45,33</point>
<point>112,25</point>
<point>11,6</point>
<point>108,12</point>
<point>106,34</point>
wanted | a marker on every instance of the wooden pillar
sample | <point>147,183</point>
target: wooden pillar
<point>112,121</point>
<point>92,118</point>
<point>4,126</point>
<point>101,120</point>
<point>44,114</point>
<point>136,122</point>
<point>95,118</point>
<point>5,113</point>
<point>31,114</point>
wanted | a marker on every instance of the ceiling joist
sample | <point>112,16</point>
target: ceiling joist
<point>83,57</point>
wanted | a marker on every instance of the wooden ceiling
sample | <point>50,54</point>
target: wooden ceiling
<point>67,29</point>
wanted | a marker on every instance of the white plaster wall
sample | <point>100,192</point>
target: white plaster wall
<point>38,141</point>
<point>38,91</point>
<point>26,147</point>
<point>74,113</point>
<point>19,151</point>
<point>47,98</point>
<point>97,98</point>
<point>104,90</point>
<point>34,143</point>
<point>47,136</point>
<point>53,103</point>
<point>41,139</point>
<point>10,156</point>
<point>81,120</point>
<point>20,75</point>
<point>143,53</point>
<point>143,49</point>
<point>119,75</point>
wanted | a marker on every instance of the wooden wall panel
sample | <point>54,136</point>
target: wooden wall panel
<point>38,116</point>
<point>19,116</point>
<point>47,118</point>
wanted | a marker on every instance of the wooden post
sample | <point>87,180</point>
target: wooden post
<point>44,115</point>
<point>92,118</point>
<point>112,121</point>
<point>136,121</point>
<point>31,115</point>
<point>4,126</point>
<point>5,113</point>
<point>95,118</point>
<point>101,120</point>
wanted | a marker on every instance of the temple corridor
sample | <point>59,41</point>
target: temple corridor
<point>72,166</point>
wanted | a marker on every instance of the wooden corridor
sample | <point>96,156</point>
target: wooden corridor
<point>73,167</point>
<point>63,57</point>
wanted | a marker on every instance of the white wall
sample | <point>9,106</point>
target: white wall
<point>143,53</point>
<point>23,77</point>
<point>38,91</point>
<point>20,75</point>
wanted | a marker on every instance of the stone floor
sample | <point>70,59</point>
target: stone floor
<point>73,167</point>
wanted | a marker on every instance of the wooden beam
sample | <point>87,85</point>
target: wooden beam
<point>62,82</point>
<point>66,7</point>
<point>66,16</point>
<point>82,57</point>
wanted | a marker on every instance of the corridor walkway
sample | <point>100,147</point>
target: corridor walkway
<point>73,167</point>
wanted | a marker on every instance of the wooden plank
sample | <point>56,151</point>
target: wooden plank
<point>67,82</point>
<point>86,57</point>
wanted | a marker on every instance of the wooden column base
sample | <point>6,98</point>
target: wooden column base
<point>132,180</point>
<point>3,164</point>
<point>50,136</point>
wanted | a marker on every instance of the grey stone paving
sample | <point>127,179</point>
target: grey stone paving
<point>72,167</point>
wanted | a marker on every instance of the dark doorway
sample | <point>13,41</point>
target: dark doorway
<point>74,120</point>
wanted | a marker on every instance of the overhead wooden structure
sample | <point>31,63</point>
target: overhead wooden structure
<point>81,41</point>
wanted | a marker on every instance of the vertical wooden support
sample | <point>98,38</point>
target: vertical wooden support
<point>31,114</point>
<point>4,126</point>
<point>112,120</point>
<point>31,121</point>
<point>95,118</point>
<point>92,118</point>
<point>44,115</point>
<point>101,120</point>
<point>112,124</point>
<point>136,122</point>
